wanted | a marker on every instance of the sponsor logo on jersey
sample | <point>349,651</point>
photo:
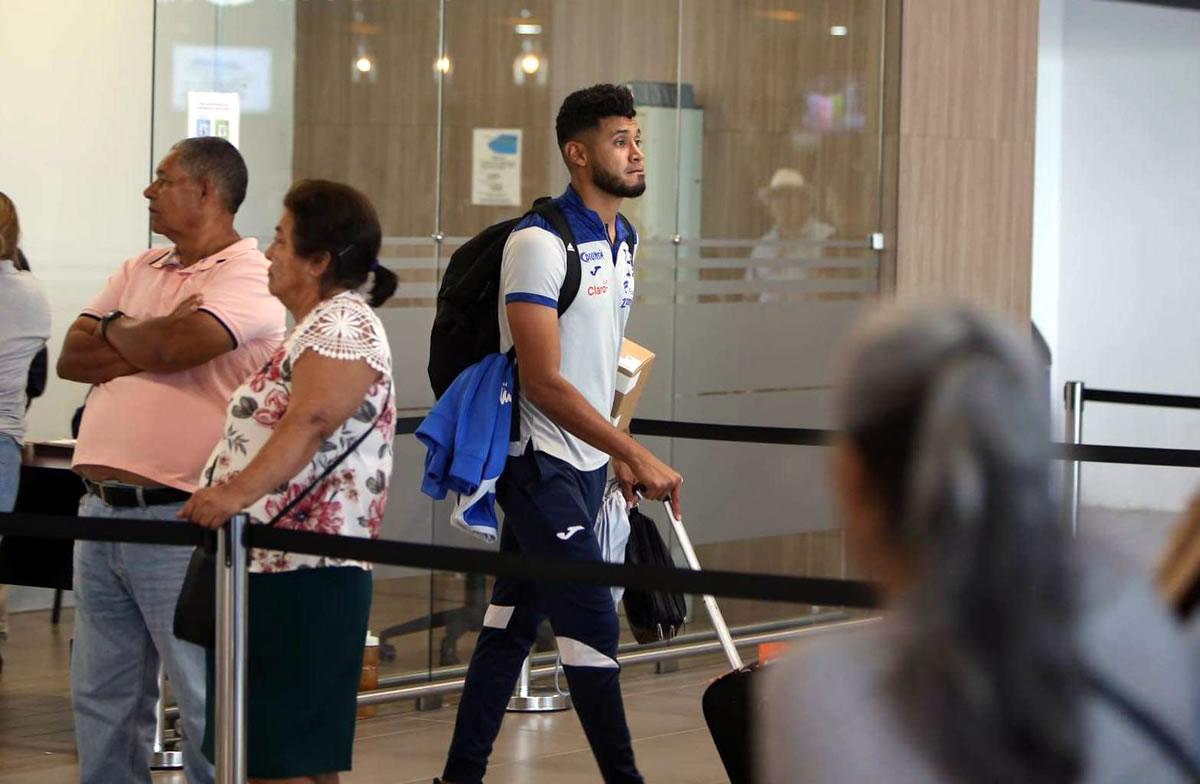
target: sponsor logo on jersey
<point>596,269</point>
<point>598,291</point>
<point>592,255</point>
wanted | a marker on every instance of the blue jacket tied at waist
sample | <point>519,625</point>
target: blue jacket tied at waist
<point>466,435</point>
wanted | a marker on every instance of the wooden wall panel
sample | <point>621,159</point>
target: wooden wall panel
<point>974,69</point>
<point>378,135</point>
<point>752,63</point>
<point>966,130</point>
<point>962,134</point>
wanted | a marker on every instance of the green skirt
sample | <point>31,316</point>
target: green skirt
<point>307,630</point>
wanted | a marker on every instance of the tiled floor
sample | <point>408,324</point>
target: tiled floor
<point>402,745</point>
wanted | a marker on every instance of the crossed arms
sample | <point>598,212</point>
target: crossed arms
<point>185,338</point>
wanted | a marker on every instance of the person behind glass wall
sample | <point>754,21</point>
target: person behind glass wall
<point>976,672</point>
<point>24,330</point>
<point>795,225</point>
<point>325,392</point>
<point>172,334</point>
<point>552,487</point>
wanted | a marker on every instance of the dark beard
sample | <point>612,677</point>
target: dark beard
<point>613,186</point>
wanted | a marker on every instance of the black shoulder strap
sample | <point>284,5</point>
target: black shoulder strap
<point>1147,723</point>
<point>623,221</point>
<point>570,286</point>
<point>328,469</point>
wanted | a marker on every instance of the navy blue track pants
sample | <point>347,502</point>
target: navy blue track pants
<point>550,509</point>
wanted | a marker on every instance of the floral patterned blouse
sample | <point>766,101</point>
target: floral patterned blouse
<point>351,500</point>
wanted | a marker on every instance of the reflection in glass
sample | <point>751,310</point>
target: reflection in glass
<point>761,123</point>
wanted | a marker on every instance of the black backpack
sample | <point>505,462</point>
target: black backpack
<point>466,328</point>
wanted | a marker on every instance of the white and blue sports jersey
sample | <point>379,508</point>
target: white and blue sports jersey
<point>589,332</point>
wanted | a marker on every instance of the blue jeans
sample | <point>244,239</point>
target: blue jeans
<point>125,596</point>
<point>10,472</point>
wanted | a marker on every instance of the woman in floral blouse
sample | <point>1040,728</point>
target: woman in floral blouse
<point>327,391</point>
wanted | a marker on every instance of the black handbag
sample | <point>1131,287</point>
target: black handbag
<point>196,610</point>
<point>653,615</point>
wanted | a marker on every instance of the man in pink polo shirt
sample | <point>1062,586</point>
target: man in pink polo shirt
<point>164,344</point>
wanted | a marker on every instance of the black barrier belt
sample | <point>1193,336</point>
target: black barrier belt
<point>799,436</point>
<point>1128,455</point>
<point>735,585</point>
<point>1140,398</point>
<point>1090,453</point>
<point>795,436</point>
<point>100,529</point>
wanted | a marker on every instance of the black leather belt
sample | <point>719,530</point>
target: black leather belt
<point>131,496</point>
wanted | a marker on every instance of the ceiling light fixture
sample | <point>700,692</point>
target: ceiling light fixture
<point>531,63</point>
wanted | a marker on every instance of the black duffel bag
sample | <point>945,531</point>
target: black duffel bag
<point>653,615</point>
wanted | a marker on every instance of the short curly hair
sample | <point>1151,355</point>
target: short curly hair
<point>583,109</point>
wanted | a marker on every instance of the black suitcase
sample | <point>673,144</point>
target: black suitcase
<point>729,710</point>
<point>728,702</point>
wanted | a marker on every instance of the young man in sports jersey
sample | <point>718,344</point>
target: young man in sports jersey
<point>552,486</point>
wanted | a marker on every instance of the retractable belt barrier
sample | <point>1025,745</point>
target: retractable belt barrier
<point>1075,452</point>
<point>737,585</point>
<point>741,585</point>
<point>1140,398</point>
<point>799,436</point>
<point>1090,453</point>
<point>237,535</point>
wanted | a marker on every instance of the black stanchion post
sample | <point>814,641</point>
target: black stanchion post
<point>1073,469</point>
<point>230,706</point>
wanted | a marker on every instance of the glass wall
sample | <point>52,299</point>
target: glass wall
<point>762,127</point>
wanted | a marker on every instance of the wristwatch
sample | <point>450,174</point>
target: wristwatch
<point>108,318</point>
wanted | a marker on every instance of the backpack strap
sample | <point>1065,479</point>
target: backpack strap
<point>623,221</point>
<point>554,216</point>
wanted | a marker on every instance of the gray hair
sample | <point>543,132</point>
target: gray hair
<point>944,406</point>
<point>217,160</point>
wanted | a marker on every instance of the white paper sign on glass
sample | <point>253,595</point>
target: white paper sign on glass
<point>496,167</point>
<point>214,114</point>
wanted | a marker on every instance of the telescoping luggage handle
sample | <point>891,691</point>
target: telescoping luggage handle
<point>710,603</point>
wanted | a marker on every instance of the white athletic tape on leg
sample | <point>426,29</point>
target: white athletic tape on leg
<point>576,654</point>
<point>497,616</point>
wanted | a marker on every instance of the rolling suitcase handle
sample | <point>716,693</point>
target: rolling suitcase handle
<point>710,603</point>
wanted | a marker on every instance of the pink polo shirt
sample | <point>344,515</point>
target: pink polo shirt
<point>164,425</point>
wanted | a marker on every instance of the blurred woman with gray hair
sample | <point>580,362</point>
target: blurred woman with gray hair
<point>1005,653</point>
